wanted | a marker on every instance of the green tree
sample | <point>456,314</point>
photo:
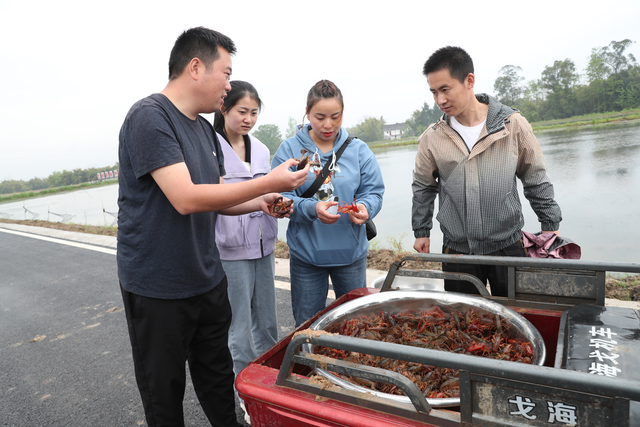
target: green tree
<point>37,184</point>
<point>291,127</point>
<point>13,186</point>
<point>422,118</point>
<point>270,136</point>
<point>597,72</point>
<point>624,89</point>
<point>597,69</point>
<point>559,80</point>
<point>534,92</point>
<point>559,77</point>
<point>370,130</point>
<point>507,87</point>
<point>56,179</point>
<point>629,96</point>
<point>615,58</point>
<point>66,177</point>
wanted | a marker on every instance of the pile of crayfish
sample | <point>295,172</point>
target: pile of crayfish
<point>469,331</point>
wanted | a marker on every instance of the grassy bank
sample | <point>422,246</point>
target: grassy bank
<point>603,119</point>
<point>600,120</point>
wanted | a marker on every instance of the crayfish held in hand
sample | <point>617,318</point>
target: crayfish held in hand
<point>348,207</point>
<point>469,331</point>
<point>307,157</point>
<point>280,207</point>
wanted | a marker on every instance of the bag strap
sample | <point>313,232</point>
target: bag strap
<point>325,171</point>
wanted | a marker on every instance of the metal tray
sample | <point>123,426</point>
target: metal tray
<point>405,300</point>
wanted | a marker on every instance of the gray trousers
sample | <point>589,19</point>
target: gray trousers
<point>254,324</point>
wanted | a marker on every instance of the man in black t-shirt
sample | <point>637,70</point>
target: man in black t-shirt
<point>173,286</point>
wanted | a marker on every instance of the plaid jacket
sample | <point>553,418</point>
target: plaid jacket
<point>479,207</point>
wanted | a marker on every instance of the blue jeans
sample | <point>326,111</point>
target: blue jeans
<point>254,325</point>
<point>310,285</point>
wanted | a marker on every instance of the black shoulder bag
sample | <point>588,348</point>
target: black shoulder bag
<point>370,226</point>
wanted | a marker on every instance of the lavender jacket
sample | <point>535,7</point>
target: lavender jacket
<point>253,235</point>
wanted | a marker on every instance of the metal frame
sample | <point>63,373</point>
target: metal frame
<point>543,283</point>
<point>610,396</point>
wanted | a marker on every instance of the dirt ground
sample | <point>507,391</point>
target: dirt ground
<point>91,229</point>
<point>623,288</point>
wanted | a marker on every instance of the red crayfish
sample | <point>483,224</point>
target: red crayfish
<point>465,331</point>
<point>348,207</point>
<point>280,207</point>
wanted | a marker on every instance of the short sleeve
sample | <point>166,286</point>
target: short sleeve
<point>151,140</point>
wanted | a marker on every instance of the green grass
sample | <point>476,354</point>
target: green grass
<point>396,243</point>
<point>602,119</point>
<point>393,143</point>
<point>374,244</point>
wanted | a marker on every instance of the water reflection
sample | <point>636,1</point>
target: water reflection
<point>94,206</point>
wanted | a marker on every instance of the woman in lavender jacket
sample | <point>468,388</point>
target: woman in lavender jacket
<point>246,242</point>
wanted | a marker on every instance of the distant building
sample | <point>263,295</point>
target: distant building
<point>394,131</point>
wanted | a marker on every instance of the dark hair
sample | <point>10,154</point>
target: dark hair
<point>452,58</point>
<point>239,90</point>
<point>324,89</point>
<point>201,43</point>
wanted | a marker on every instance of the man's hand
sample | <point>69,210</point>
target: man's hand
<point>281,179</point>
<point>422,245</point>
<point>229,199</point>
<point>268,199</point>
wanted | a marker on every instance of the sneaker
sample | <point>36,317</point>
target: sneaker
<point>247,418</point>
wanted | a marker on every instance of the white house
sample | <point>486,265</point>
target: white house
<point>394,131</point>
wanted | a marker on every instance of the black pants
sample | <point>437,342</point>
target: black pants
<point>164,335</point>
<point>496,275</point>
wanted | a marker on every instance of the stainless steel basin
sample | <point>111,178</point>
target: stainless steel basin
<point>404,300</point>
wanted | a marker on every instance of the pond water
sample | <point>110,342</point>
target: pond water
<point>595,172</point>
<point>596,177</point>
<point>84,206</point>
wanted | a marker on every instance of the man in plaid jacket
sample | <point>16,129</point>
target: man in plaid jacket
<point>471,158</point>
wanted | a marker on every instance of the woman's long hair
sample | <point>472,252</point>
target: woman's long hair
<point>239,90</point>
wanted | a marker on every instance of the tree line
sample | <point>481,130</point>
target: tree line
<point>56,179</point>
<point>611,82</point>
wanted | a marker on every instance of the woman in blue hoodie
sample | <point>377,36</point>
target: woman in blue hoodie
<point>322,242</point>
<point>246,242</point>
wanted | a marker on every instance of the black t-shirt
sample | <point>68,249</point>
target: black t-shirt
<point>161,253</point>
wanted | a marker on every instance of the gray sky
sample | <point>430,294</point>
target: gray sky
<point>70,70</point>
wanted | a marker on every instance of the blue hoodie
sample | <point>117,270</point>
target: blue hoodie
<point>357,176</point>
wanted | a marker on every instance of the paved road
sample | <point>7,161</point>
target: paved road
<point>65,357</point>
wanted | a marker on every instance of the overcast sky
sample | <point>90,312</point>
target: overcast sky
<point>70,70</point>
